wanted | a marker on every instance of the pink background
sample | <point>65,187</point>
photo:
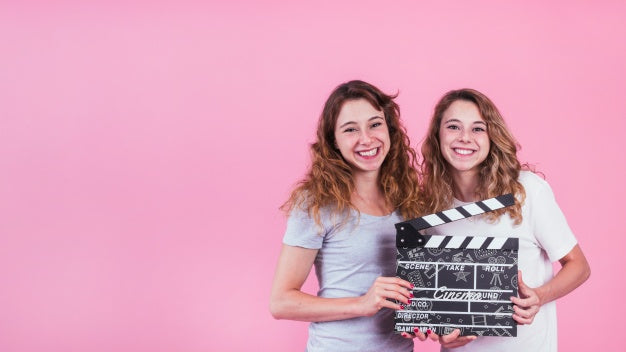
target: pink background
<point>146,147</point>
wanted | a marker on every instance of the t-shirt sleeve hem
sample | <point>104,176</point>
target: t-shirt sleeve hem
<point>562,252</point>
<point>301,245</point>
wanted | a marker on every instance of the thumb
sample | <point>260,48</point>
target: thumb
<point>451,337</point>
<point>522,288</point>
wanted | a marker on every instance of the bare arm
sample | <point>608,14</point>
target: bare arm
<point>287,301</point>
<point>574,271</point>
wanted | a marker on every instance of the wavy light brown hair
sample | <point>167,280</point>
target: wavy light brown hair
<point>329,182</point>
<point>498,173</point>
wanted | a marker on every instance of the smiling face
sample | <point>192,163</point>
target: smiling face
<point>362,136</point>
<point>463,138</point>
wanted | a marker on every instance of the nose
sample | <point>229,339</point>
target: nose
<point>365,138</point>
<point>464,135</point>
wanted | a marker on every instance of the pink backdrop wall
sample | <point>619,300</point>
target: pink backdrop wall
<point>146,147</point>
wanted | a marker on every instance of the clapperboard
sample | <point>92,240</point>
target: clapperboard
<point>461,282</point>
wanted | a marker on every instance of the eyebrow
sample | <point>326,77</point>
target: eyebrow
<point>352,122</point>
<point>457,120</point>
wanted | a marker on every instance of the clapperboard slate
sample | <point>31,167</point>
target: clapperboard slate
<point>461,282</point>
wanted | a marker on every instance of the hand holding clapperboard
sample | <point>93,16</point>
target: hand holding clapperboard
<point>461,282</point>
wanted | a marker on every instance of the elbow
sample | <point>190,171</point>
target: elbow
<point>586,273</point>
<point>285,304</point>
<point>585,270</point>
<point>276,309</point>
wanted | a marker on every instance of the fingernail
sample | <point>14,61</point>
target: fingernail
<point>428,331</point>
<point>411,295</point>
<point>401,307</point>
<point>412,286</point>
<point>416,329</point>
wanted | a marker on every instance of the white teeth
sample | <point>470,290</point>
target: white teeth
<point>463,151</point>
<point>371,152</point>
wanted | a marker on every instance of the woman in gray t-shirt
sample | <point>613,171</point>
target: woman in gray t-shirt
<point>341,216</point>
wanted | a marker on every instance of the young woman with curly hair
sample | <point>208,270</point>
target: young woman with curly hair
<point>470,155</point>
<point>341,220</point>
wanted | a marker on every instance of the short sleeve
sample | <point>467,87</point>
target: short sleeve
<point>302,231</point>
<point>549,224</point>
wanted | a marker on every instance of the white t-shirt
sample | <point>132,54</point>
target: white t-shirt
<point>544,237</point>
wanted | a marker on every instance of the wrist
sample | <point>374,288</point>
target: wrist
<point>543,294</point>
<point>356,306</point>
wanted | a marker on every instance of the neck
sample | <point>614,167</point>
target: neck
<point>465,185</point>
<point>366,185</point>
<point>368,196</point>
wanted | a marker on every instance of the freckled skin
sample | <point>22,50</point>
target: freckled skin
<point>362,136</point>
<point>463,137</point>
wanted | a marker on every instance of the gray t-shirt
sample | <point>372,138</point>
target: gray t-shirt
<point>350,258</point>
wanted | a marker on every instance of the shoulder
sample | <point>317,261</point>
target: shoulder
<point>538,191</point>
<point>531,181</point>
<point>302,229</point>
<point>304,215</point>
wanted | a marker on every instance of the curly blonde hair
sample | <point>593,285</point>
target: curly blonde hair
<point>329,183</point>
<point>498,173</point>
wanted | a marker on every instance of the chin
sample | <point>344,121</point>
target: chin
<point>367,168</point>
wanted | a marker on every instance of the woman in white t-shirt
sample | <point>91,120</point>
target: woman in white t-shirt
<point>341,220</point>
<point>470,155</point>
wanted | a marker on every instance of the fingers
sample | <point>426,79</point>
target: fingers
<point>406,335</point>
<point>382,293</point>
<point>385,303</point>
<point>403,298</point>
<point>417,333</point>
<point>395,284</point>
<point>522,321</point>
<point>401,295</point>
<point>461,341</point>
<point>527,305</point>
<point>420,335</point>
<point>450,337</point>
<point>528,295</point>
<point>395,280</point>
<point>424,336</point>
<point>453,339</point>
<point>448,341</point>
<point>525,316</point>
<point>382,299</point>
<point>395,288</point>
<point>525,313</point>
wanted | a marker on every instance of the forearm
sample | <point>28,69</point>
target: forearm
<point>297,305</point>
<point>287,301</point>
<point>574,271</point>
